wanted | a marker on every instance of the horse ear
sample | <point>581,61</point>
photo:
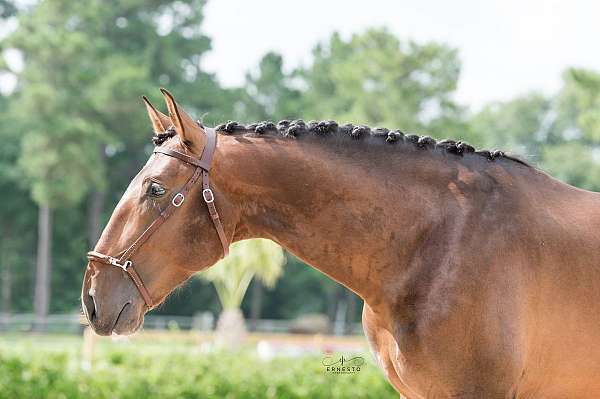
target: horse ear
<point>160,121</point>
<point>190,133</point>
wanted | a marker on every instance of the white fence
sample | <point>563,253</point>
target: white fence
<point>74,323</point>
<point>71,323</point>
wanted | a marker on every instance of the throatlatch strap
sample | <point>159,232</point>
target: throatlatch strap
<point>209,199</point>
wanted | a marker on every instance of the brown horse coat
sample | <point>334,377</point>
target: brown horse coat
<point>480,276</point>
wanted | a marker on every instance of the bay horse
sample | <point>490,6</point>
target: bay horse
<point>480,274</point>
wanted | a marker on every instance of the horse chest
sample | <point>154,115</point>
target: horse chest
<point>400,370</point>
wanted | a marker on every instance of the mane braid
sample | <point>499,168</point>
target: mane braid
<point>159,138</point>
<point>298,127</point>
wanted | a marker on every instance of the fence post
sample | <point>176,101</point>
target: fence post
<point>87,349</point>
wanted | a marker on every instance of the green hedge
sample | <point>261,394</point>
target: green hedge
<point>42,370</point>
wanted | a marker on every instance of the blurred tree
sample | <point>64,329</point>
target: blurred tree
<point>85,65</point>
<point>87,62</point>
<point>579,102</point>
<point>574,163</point>
<point>375,78</point>
<point>7,8</point>
<point>232,276</point>
<point>17,213</point>
<point>559,133</point>
<point>16,207</point>
<point>574,156</point>
<point>270,93</point>
<point>284,302</point>
<point>522,125</point>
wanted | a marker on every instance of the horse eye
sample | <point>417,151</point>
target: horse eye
<point>156,190</point>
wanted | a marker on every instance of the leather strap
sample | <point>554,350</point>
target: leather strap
<point>174,204</point>
<point>185,158</point>
<point>202,167</point>
<point>209,199</point>
<point>128,268</point>
<point>209,147</point>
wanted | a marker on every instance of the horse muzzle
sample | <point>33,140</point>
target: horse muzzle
<point>111,303</point>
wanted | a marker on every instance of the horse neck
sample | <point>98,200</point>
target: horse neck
<point>353,216</point>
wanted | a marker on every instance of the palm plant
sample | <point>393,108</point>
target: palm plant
<point>231,277</point>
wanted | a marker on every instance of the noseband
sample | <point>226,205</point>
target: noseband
<point>202,167</point>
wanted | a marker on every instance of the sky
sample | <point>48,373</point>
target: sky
<point>507,47</point>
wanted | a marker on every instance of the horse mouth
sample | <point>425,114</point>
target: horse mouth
<point>119,316</point>
<point>126,325</point>
<point>107,313</point>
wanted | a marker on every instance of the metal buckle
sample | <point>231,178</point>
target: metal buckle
<point>178,200</point>
<point>124,266</point>
<point>208,195</point>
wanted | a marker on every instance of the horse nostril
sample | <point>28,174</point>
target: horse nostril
<point>95,306</point>
<point>89,303</point>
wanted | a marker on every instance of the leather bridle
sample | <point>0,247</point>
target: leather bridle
<point>202,167</point>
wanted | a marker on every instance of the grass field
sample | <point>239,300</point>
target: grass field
<point>171,366</point>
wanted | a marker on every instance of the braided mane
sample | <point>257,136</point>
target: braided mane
<point>298,127</point>
<point>160,138</point>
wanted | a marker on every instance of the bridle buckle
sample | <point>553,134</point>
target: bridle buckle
<point>208,195</point>
<point>124,266</point>
<point>178,200</point>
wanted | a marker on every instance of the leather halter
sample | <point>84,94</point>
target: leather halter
<point>202,167</point>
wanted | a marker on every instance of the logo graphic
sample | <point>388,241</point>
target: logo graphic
<point>341,365</point>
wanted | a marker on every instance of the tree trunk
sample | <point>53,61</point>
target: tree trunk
<point>331,305</point>
<point>351,310</point>
<point>6,282</point>
<point>333,302</point>
<point>43,267</point>
<point>6,277</point>
<point>231,329</point>
<point>94,216</point>
<point>339,325</point>
<point>256,304</point>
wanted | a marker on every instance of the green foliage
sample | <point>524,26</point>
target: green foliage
<point>561,133</point>
<point>232,275</point>
<point>372,78</point>
<point>270,92</point>
<point>516,125</point>
<point>301,290</point>
<point>7,8</point>
<point>174,371</point>
<point>579,101</point>
<point>574,156</point>
<point>17,214</point>
<point>375,78</point>
<point>573,162</point>
<point>86,65</point>
<point>75,125</point>
<point>58,173</point>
